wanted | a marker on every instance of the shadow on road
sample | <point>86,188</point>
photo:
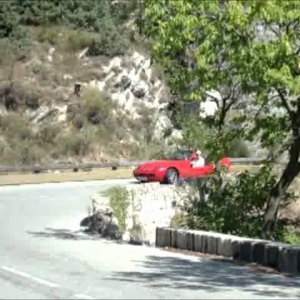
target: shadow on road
<point>63,234</point>
<point>208,275</point>
<point>67,234</point>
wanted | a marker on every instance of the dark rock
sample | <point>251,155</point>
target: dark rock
<point>102,222</point>
<point>125,82</point>
<point>86,222</point>
<point>139,90</point>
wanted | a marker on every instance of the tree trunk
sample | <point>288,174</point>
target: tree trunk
<point>291,170</point>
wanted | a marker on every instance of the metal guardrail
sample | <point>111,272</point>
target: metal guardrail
<point>87,166</point>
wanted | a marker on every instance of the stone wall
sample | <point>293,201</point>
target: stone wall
<point>151,205</point>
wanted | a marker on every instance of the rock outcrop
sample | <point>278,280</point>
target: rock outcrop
<point>149,205</point>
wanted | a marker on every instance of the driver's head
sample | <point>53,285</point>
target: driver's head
<point>198,152</point>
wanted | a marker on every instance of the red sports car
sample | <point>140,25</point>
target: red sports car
<point>176,166</point>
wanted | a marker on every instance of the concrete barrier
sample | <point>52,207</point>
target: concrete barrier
<point>284,258</point>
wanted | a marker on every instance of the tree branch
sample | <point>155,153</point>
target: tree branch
<point>285,103</point>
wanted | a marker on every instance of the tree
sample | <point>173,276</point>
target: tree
<point>180,35</point>
<point>245,47</point>
<point>8,19</point>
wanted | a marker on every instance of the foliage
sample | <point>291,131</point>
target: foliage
<point>96,107</point>
<point>237,148</point>
<point>99,20</point>
<point>291,237</point>
<point>74,144</point>
<point>119,202</point>
<point>246,50</point>
<point>237,207</point>
<point>195,134</point>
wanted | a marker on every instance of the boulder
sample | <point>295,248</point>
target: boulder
<point>102,220</point>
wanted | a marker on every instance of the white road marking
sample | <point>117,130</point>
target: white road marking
<point>26,275</point>
<point>83,296</point>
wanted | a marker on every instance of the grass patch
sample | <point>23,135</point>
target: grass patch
<point>119,202</point>
<point>291,237</point>
<point>99,174</point>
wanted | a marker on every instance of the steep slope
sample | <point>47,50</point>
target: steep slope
<point>117,112</point>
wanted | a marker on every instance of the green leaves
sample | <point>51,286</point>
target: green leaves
<point>236,207</point>
<point>248,51</point>
<point>222,42</point>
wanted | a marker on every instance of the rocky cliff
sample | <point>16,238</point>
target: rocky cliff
<point>60,103</point>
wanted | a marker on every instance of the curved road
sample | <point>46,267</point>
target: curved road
<point>43,255</point>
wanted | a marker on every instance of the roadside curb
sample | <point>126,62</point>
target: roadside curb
<point>282,257</point>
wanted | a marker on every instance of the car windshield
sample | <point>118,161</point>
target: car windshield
<point>180,155</point>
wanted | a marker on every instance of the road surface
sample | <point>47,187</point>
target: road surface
<point>43,255</point>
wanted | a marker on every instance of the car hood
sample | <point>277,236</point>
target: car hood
<point>152,165</point>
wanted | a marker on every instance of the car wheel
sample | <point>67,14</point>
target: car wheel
<point>172,176</point>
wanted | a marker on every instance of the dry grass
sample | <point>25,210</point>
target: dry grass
<point>99,174</point>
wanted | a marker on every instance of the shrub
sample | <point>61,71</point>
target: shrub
<point>47,134</point>
<point>110,41</point>
<point>78,121</point>
<point>73,143</point>
<point>13,126</point>
<point>238,148</point>
<point>96,108</point>
<point>14,95</point>
<point>78,40</point>
<point>119,202</point>
<point>236,208</point>
<point>49,34</point>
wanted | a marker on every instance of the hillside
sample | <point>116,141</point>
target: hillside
<point>116,114</point>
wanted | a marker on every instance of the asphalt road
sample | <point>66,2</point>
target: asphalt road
<point>43,255</point>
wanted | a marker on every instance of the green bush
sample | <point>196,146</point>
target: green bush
<point>96,107</point>
<point>100,17</point>
<point>47,134</point>
<point>14,95</point>
<point>78,40</point>
<point>49,34</point>
<point>109,43</point>
<point>73,143</point>
<point>236,208</point>
<point>238,148</point>
<point>14,127</point>
<point>119,202</point>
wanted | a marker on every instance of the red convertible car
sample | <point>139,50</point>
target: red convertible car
<point>176,166</point>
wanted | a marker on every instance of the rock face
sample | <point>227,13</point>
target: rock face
<point>150,205</point>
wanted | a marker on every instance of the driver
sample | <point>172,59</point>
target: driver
<point>199,161</point>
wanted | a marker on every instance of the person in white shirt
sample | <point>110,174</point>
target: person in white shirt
<point>200,161</point>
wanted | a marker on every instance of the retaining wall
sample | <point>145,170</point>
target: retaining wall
<point>283,257</point>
